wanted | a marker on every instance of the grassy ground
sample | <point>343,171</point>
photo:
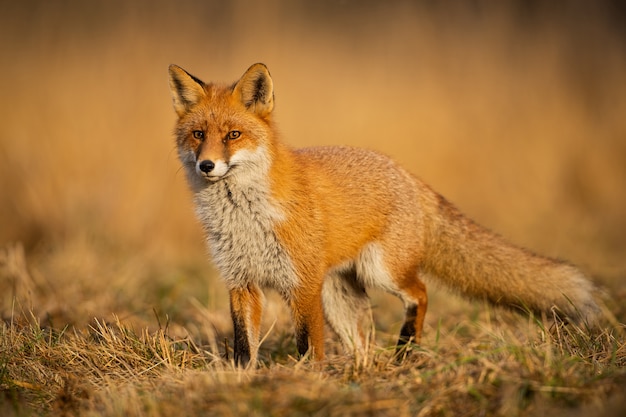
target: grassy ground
<point>109,305</point>
<point>474,361</point>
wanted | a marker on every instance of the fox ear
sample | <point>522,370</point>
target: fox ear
<point>256,90</point>
<point>187,90</point>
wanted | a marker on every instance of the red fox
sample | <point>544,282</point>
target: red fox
<point>320,225</point>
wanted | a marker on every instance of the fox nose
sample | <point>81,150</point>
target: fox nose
<point>206,166</point>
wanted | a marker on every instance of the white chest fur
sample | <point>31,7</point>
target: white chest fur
<point>239,224</point>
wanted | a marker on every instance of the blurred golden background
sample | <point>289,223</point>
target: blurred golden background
<point>515,111</point>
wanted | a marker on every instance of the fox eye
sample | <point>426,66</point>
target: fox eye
<point>198,134</point>
<point>233,134</point>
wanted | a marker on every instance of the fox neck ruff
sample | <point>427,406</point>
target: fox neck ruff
<point>239,217</point>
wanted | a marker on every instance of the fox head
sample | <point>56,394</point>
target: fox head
<point>223,131</point>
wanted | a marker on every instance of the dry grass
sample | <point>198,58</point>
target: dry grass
<point>513,110</point>
<point>489,364</point>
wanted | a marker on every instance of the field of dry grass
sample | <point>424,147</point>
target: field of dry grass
<point>515,111</point>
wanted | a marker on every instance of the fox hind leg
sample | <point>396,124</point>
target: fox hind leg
<point>415,298</point>
<point>397,275</point>
<point>347,308</point>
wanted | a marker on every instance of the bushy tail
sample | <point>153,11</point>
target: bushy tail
<point>480,264</point>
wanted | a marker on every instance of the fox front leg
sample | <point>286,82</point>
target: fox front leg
<point>308,315</point>
<point>246,306</point>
